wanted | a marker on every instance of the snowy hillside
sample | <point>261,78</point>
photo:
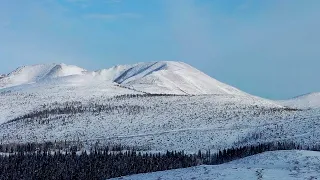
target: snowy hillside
<point>158,106</point>
<point>172,78</point>
<point>285,165</point>
<point>157,123</point>
<point>311,100</point>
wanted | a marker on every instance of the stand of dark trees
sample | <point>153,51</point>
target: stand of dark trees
<point>127,96</point>
<point>72,108</point>
<point>107,163</point>
<point>65,146</point>
<point>99,164</point>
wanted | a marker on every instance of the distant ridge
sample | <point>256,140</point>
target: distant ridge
<point>306,101</point>
<point>160,77</point>
<point>35,73</point>
<point>167,77</point>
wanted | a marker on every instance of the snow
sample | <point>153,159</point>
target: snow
<point>35,73</point>
<point>209,115</point>
<point>173,78</point>
<point>286,165</point>
<point>62,70</point>
<point>109,74</point>
<point>311,100</point>
<point>165,77</point>
<point>186,123</point>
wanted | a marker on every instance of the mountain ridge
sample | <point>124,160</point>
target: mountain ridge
<point>158,77</point>
<point>161,105</point>
<point>305,101</point>
<point>34,73</point>
<point>168,77</point>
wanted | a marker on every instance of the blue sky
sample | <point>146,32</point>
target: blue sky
<point>266,48</point>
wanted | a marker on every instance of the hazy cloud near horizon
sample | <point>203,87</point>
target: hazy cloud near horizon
<point>267,48</point>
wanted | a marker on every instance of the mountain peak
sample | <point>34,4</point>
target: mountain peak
<point>171,77</point>
<point>62,70</point>
<point>34,73</point>
<point>161,77</point>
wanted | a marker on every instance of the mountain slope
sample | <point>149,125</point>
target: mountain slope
<point>62,70</point>
<point>122,104</point>
<point>155,77</point>
<point>285,165</point>
<point>311,100</point>
<point>153,122</point>
<point>35,73</point>
<point>172,78</point>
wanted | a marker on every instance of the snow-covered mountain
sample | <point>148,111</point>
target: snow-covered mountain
<point>155,77</point>
<point>311,100</point>
<point>123,104</point>
<point>35,73</point>
<point>285,165</point>
<point>171,78</point>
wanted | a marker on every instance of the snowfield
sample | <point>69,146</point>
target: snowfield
<point>157,106</point>
<point>165,77</point>
<point>308,101</point>
<point>35,73</point>
<point>161,123</point>
<point>284,165</point>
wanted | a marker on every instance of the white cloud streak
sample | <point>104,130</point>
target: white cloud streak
<point>113,16</point>
<point>87,3</point>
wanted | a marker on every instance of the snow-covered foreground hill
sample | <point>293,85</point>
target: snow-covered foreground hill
<point>284,165</point>
<point>159,123</point>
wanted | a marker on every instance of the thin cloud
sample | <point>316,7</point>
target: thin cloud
<point>113,16</point>
<point>86,3</point>
<point>113,1</point>
<point>81,3</point>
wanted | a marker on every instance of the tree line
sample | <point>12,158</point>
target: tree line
<point>128,96</point>
<point>103,163</point>
<point>72,108</point>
